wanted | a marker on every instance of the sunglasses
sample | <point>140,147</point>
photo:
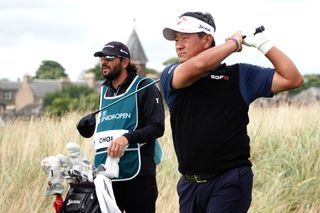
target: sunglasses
<point>110,57</point>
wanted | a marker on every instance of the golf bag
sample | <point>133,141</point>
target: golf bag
<point>81,197</point>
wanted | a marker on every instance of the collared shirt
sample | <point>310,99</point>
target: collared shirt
<point>209,118</point>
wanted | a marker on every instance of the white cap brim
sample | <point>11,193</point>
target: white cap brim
<point>187,24</point>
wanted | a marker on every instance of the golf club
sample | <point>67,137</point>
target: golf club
<point>87,124</point>
<point>258,30</point>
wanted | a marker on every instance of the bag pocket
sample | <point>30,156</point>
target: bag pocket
<point>81,197</point>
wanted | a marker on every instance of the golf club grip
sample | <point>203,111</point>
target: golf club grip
<point>258,30</point>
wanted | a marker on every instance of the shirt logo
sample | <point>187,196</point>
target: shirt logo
<point>220,77</point>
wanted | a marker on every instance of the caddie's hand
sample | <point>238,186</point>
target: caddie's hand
<point>237,38</point>
<point>117,147</point>
<point>259,41</point>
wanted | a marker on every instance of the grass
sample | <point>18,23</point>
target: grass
<point>285,150</point>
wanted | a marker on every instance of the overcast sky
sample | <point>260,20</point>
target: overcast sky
<point>70,31</point>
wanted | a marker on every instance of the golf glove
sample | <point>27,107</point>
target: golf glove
<point>259,41</point>
<point>51,166</point>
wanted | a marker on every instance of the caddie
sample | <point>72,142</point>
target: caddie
<point>127,131</point>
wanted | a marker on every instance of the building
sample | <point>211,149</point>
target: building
<point>8,92</point>
<point>26,96</point>
<point>138,55</point>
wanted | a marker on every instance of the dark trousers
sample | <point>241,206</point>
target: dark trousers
<point>226,193</point>
<point>138,195</point>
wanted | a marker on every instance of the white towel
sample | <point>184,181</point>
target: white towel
<point>112,167</point>
<point>104,191</point>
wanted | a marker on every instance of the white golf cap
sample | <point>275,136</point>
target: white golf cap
<point>187,24</point>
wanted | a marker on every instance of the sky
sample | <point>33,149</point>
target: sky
<point>70,31</point>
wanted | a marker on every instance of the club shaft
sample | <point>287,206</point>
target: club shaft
<point>126,96</point>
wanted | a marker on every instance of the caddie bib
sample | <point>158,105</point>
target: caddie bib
<point>113,122</point>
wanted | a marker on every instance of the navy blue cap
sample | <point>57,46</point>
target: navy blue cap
<point>114,48</point>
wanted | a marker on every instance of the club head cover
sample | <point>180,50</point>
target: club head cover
<point>87,125</point>
<point>64,162</point>
<point>51,166</point>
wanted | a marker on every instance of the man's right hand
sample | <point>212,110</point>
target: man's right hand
<point>237,38</point>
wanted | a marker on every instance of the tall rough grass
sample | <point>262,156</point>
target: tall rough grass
<point>285,150</point>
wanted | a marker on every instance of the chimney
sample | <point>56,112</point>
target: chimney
<point>26,78</point>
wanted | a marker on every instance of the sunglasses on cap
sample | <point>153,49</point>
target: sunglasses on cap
<point>109,57</point>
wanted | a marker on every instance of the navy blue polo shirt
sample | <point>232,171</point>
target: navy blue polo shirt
<point>209,118</point>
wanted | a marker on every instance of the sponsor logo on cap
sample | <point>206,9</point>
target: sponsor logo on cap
<point>121,50</point>
<point>205,28</point>
<point>108,45</point>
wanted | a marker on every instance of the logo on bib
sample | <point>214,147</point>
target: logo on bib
<point>115,116</point>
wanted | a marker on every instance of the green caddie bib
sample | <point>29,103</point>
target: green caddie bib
<point>112,123</point>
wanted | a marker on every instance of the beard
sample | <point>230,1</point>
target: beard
<point>113,74</point>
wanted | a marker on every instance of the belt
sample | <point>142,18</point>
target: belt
<point>199,178</point>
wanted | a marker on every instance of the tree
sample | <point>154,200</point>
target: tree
<point>50,70</point>
<point>310,80</point>
<point>71,98</point>
<point>97,71</point>
<point>173,60</point>
<point>152,72</point>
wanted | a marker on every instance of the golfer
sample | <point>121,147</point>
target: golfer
<point>209,103</point>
